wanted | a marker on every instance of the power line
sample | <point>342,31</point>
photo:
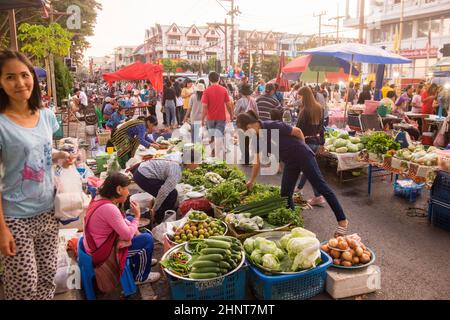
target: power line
<point>222,5</point>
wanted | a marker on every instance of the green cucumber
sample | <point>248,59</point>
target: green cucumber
<point>202,276</point>
<point>207,251</point>
<point>224,265</point>
<point>221,238</point>
<point>206,270</point>
<point>204,264</point>
<point>211,257</point>
<point>211,243</point>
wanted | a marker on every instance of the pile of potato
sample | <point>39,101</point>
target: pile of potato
<point>355,252</point>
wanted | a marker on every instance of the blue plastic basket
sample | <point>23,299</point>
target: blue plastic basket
<point>410,193</point>
<point>441,187</point>
<point>439,214</point>
<point>232,287</point>
<point>299,286</point>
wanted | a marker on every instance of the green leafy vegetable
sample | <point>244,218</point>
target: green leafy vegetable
<point>284,216</point>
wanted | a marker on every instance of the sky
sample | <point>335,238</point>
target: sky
<point>123,22</point>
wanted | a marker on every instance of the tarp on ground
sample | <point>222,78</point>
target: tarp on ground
<point>138,71</point>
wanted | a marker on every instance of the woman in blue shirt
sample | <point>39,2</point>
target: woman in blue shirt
<point>296,156</point>
<point>116,118</point>
<point>28,227</point>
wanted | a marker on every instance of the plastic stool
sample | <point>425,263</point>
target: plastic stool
<point>88,274</point>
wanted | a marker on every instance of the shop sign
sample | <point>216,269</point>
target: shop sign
<point>419,53</point>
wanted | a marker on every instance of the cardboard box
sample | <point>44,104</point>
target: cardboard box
<point>348,283</point>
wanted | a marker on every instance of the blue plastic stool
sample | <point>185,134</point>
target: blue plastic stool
<point>88,274</point>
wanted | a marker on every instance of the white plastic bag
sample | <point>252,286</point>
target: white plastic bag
<point>160,230</point>
<point>70,200</point>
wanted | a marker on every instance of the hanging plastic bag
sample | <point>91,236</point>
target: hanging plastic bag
<point>70,200</point>
<point>159,232</point>
<point>440,138</point>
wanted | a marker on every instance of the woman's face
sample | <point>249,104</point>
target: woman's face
<point>123,192</point>
<point>17,80</point>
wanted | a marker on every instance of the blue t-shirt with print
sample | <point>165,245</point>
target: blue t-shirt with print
<point>26,155</point>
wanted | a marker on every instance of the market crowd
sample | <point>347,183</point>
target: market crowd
<point>28,228</point>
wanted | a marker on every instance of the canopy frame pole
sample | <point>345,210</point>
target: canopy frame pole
<point>347,90</point>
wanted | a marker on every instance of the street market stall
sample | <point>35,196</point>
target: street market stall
<point>138,71</point>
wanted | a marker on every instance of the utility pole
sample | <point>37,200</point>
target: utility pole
<point>400,37</point>
<point>13,30</point>
<point>225,32</point>
<point>361,20</point>
<point>52,65</point>
<point>320,25</point>
<point>233,12</point>
<point>226,44</point>
<point>338,22</point>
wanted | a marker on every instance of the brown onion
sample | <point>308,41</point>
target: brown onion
<point>364,258</point>
<point>347,264</point>
<point>337,262</point>
<point>347,256</point>
<point>335,254</point>
<point>359,251</point>
<point>355,260</point>
<point>333,243</point>
<point>325,248</point>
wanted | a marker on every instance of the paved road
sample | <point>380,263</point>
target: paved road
<point>414,256</point>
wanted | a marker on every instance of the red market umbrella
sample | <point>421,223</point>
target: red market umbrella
<point>281,81</point>
<point>138,71</point>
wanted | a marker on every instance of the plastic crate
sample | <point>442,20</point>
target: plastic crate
<point>410,193</point>
<point>232,287</point>
<point>439,214</point>
<point>299,286</point>
<point>441,187</point>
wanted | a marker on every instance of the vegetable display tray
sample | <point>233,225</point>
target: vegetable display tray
<point>231,286</point>
<point>301,286</point>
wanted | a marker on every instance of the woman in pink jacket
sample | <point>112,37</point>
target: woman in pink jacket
<point>106,226</point>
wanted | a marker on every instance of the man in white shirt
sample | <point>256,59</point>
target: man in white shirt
<point>82,98</point>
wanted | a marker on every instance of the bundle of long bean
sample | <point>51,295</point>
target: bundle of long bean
<point>262,208</point>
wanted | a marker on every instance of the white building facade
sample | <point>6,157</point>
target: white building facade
<point>424,20</point>
<point>195,44</point>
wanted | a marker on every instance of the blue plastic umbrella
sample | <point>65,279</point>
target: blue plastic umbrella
<point>40,72</point>
<point>356,52</point>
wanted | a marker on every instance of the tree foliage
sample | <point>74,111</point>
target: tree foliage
<point>168,65</point>
<point>63,80</point>
<point>88,17</point>
<point>41,41</point>
<point>269,67</point>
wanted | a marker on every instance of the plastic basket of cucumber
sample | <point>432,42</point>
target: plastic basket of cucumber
<point>215,271</point>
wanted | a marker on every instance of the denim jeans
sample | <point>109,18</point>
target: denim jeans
<point>303,179</point>
<point>214,125</point>
<point>171,117</point>
<point>308,165</point>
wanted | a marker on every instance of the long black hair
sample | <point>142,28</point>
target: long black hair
<point>108,189</point>
<point>245,119</point>
<point>35,101</point>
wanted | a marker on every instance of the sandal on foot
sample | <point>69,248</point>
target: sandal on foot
<point>340,231</point>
